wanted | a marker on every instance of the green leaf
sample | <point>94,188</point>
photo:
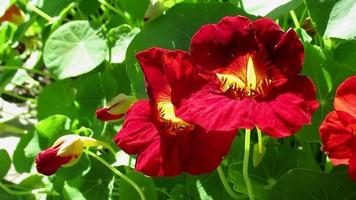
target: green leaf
<point>341,21</point>
<point>21,162</point>
<point>136,8</point>
<point>277,161</point>
<point>57,98</point>
<point>173,31</point>
<point>345,54</point>
<point>88,7</point>
<point>51,8</point>
<point>121,37</point>
<point>308,184</point>
<point>74,49</point>
<point>94,91</point>
<point>53,126</point>
<point>96,184</point>
<point>126,191</point>
<point>5,163</point>
<point>78,169</point>
<point>320,12</point>
<point>270,8</point>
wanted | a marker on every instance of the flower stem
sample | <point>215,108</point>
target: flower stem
<point>117,172</point>
<point>103,144</point>
<point>294,18</point>
<point>259,135</point>
<point>40,13</point>
<point>6,189</point>
<point>227,186</point>
<point>27,69</point>
<point>245,164</point>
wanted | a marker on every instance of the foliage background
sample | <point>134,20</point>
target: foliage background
<point>67,58</point>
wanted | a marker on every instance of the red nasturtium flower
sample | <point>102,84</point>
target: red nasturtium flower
<point>167,145</point>
<point>116,108</point>
<point>338,130</point>
<point>66,151</point>
<point>255,70</point>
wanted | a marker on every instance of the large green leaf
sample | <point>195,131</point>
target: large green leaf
<point>121,37</point>
<point>345,54</point>
<point>334,18</point>
<point>270,8</point>
<point>173,31</point>
<point>126,191</point>
<point>308,184</point>
<point>135,8</point>
<point>96,184</point>
<point>341,22</point>
<point>74,49</point>
<point>57,98</point>
<point>5,163</point>
<point>53,126</point>
<point>277,161</point>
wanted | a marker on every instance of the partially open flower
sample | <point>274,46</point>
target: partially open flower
<point>66,151</point>
<point>13,14</point>
<point>338,130</point>
<point>116,108</point>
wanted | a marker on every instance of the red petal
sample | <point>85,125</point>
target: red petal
<point>336,137</point>
<point>162,158</point>
<point>267,32</point>
<point>138,130</point>
<point>104,115</point>
<point>152,66</point>
<point>288,109</point>
<point>207,150</point>
<point>337,162</point>
<point>345,99</point>
<point>47,161</point>
<point>288,54</point>
<point>215,45</point>
<point>352,166</point>
<point>178,66</point>
<point>215,112</point>
<point>196,152</point>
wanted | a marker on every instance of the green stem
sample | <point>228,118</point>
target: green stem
<point>107,146</point>
<point>40,13</point>
<point>18,96</point>
<point>259,135</point>
<point>227,186</point>
<point>294,18</point>
<point>245,164</point>
<point>27,69</point>
<point>117,172</point>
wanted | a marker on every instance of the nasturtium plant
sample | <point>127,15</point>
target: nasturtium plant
<point>177,99</point>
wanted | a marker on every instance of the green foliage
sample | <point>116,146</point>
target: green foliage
<point>74,49</point>
<point>5,163</point>
<point>308,184</point>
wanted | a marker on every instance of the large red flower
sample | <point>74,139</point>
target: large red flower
<point>254,67</point>
<point>338,130</point>
<point>166,144</point>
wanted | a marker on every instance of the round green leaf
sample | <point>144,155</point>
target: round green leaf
<point>309,184</point>
<point>270,8</point>
<point>5,163</point>
<point>74,49</point>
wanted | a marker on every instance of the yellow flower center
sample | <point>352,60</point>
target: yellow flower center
<point>170,122</point>
<point>245,81</point>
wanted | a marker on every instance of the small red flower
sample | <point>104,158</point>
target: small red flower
<point>338,130</point>
<point>254,67</point>
<point>66,151</point>
<point>166,144</point>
